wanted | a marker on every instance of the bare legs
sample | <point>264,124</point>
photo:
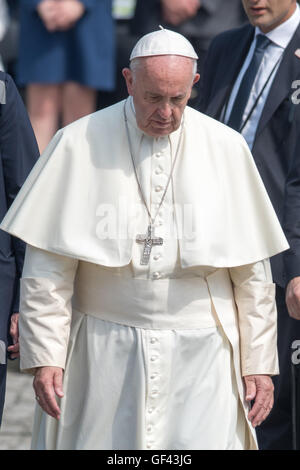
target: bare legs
<point>48,105</point>
<point>43,105</point>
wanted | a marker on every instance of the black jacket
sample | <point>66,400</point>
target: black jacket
<point>18,153</point>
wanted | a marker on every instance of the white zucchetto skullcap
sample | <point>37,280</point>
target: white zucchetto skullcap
<point>163,42</point>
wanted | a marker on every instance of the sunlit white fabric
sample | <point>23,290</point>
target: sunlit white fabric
<point>148,341</point>
<point>153,355</point>
<point>222,213</point>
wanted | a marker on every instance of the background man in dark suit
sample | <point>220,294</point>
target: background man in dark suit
<point>247,83</point>
<point>18,153</point>
<point>198,20</point>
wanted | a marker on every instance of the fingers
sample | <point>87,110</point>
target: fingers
<point>177,11</point>
<point>260,411</point>
<point>293,305</point>
<point>293,298</point>
<point>14,327</point>
<point>58,389</point>
<point>60,16</point>
<point>48,11</point>
<point>250,388</point>
<point>47,385</point>
<point>14,351</point>
<point>264,397</point>
<point>63,15</point>
<point>14,333</point>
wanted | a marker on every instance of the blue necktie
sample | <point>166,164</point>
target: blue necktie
<point>241,100</point>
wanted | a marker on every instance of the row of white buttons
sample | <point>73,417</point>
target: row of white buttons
<point>158,170</point>
<point>154,393</point>
<point>156,275</point>
<point>154,349</point>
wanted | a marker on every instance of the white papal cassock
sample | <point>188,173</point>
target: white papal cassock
<point>153,355</point>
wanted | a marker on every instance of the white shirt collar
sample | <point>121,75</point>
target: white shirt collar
<point>282,35</point>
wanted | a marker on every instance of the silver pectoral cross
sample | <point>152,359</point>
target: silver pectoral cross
<point>148,240</point>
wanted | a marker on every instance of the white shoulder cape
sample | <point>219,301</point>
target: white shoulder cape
<point>87,168</point>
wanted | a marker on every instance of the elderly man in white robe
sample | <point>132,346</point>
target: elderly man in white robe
<point>147,306</point>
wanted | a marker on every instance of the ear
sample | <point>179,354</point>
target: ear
<point>127,74</point>
<point>196,78</point>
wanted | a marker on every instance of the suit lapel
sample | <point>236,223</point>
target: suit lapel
<point>289,70</point>
<point>232,65</point>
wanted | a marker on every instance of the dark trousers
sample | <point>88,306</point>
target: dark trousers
<point>276,433</point>
<point>2,388</point>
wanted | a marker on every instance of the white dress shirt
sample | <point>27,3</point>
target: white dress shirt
<point>280,38</point>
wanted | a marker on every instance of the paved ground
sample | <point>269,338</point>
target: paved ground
<point>15,432</point>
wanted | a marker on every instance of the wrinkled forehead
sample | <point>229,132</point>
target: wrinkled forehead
<point>167,76</point>
<point>163,65</point>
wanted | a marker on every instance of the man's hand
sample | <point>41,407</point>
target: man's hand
<point>48,383</point>
<point>14,333</point>
<point>292,298</point>
<point>261,389</point>
<point>60,16</point>
<point>177,11</point>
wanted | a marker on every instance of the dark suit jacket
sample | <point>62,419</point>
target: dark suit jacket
<point>278,128</point>
<point>291,219</point>
<point>18,153</point>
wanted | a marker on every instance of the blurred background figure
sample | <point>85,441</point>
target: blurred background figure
<point>66,55</point>
<point>198,20</point>
<point>4,22</point>
<point>123,11</point>
<point>9,43</point>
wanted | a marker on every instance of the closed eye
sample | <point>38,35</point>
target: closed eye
<point>177,99</point>
<point>153,98</point>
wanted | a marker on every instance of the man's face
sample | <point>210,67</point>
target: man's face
<point>268,14</point>
<point>160,87</point>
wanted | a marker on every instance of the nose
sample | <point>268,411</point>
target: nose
<point>165,111</point>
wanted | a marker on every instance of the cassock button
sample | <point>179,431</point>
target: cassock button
<point>149,428</point>
<point>158,188</point>
<point>153,358</point>
<point>156,257</point>
<point>153,340</point>
<point>156,275</point>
